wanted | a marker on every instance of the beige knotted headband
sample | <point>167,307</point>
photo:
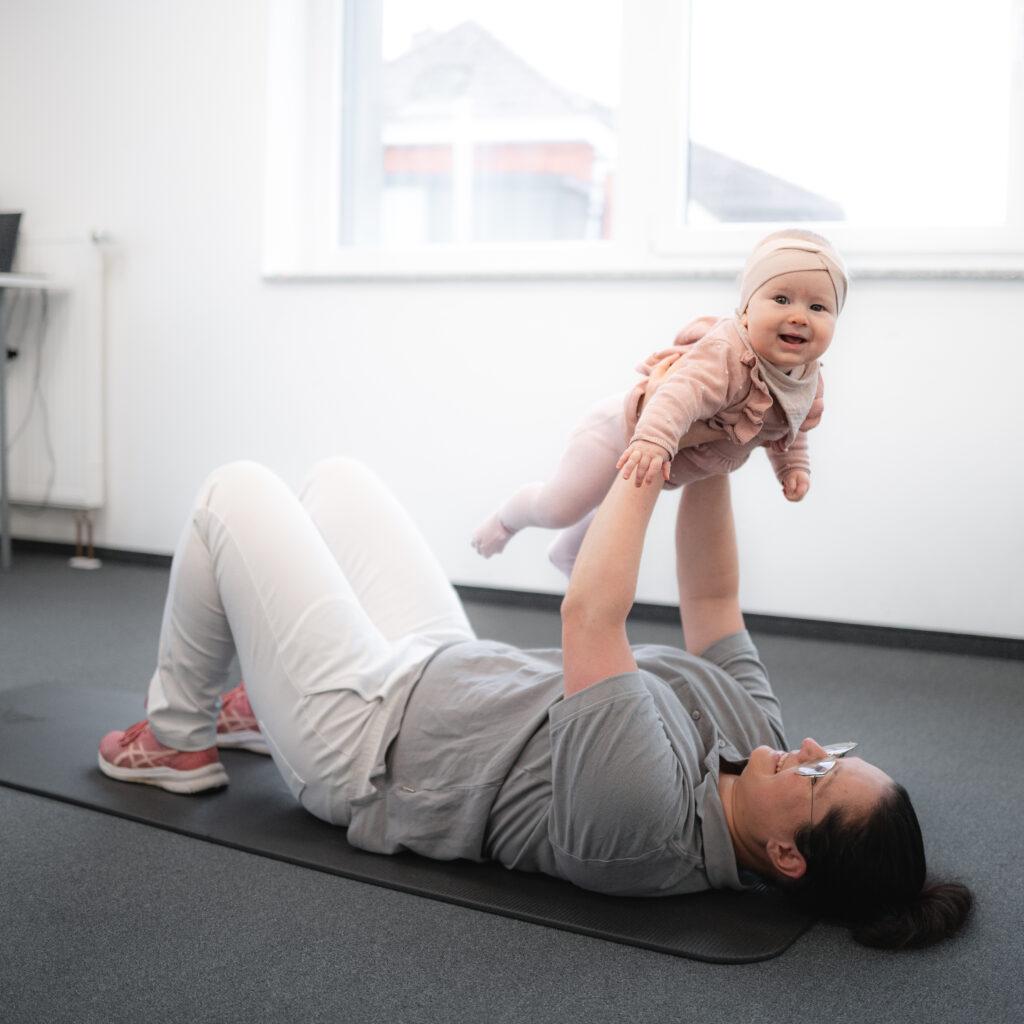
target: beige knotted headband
<point>781,254</point>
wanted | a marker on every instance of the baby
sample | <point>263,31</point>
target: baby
<point>727,387</point>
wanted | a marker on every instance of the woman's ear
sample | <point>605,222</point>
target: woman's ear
<point>786,859</point>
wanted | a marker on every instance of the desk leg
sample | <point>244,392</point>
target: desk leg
<point>5,517</point>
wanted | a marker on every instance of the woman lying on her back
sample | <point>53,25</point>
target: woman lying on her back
<point>638,771</point>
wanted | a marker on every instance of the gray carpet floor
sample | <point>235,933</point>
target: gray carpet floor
<point>105,920</point>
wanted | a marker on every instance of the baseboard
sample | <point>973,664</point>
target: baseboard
<point>50,547</point>
<point>973,644</point>
<point>781,625</point>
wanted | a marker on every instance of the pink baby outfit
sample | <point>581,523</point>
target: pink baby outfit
<point>721,381</point>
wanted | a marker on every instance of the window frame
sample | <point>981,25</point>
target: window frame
<point>302,207</point>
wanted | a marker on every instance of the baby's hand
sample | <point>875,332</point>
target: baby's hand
<point>796,484</point>
<point>648,459</point>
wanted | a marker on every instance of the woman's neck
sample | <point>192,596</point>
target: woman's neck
<point>745,856</point>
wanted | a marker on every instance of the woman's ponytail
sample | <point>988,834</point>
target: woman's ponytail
<point>937,913</point>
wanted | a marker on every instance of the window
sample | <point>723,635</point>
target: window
<point>875,114</point>
<point>469,121</point>
<point>478,136</point>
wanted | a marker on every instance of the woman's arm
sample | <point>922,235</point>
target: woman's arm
<point>707,564</point>
<point>603,586</point>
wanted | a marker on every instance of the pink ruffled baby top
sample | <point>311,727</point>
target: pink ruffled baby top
<point>720,380</point>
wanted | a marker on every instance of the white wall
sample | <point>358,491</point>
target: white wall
<point>146,120</point>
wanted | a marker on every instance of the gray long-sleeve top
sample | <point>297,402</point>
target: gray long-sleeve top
<point>614,788</point>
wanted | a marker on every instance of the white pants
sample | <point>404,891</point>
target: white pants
<point>332,601</point>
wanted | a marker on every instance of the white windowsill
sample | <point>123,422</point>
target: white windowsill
<point>537,266</point>
<point>715,255</point>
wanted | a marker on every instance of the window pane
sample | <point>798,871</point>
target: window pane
<point>874,113</point>
<point>490,122</point>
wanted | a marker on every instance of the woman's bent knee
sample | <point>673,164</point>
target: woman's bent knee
<point>243,479</point>
<point>340,471</point>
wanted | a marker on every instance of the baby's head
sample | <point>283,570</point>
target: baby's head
<point>792,290</point>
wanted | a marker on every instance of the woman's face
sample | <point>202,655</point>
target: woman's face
<point>772,800</point>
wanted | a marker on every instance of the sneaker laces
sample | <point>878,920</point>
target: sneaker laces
<point>236,702</point>
<point>132,732</point>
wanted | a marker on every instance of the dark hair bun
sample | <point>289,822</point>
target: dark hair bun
<point>938,913</point>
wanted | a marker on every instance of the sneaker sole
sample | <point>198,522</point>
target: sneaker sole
<point>212,776</point>
<point>244,739</point>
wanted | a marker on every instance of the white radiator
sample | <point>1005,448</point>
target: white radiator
<point>55,385</point>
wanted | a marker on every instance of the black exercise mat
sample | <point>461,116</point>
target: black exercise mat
<point>49,736</point>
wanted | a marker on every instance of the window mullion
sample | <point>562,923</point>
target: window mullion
<point>651,131</point>
<point>360,175</point>
<point>301,167</point>
<point>1015,156</point>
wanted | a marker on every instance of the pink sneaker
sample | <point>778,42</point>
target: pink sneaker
<point>136,755</point>
<point>237,727</point>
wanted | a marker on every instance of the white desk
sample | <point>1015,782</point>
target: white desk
<point>12,282</point>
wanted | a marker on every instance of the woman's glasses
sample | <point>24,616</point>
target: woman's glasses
<point>824,766</point>
<point>816,769</point>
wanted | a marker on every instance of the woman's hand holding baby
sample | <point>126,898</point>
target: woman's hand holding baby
<point>695,330</point>
<point>796,484</point>
<point>657,367</point>
<point>655,359</point>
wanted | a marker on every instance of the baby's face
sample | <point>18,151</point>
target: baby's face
<point>791,318</point>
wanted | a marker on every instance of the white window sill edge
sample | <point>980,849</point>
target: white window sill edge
<point>426,268</point>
